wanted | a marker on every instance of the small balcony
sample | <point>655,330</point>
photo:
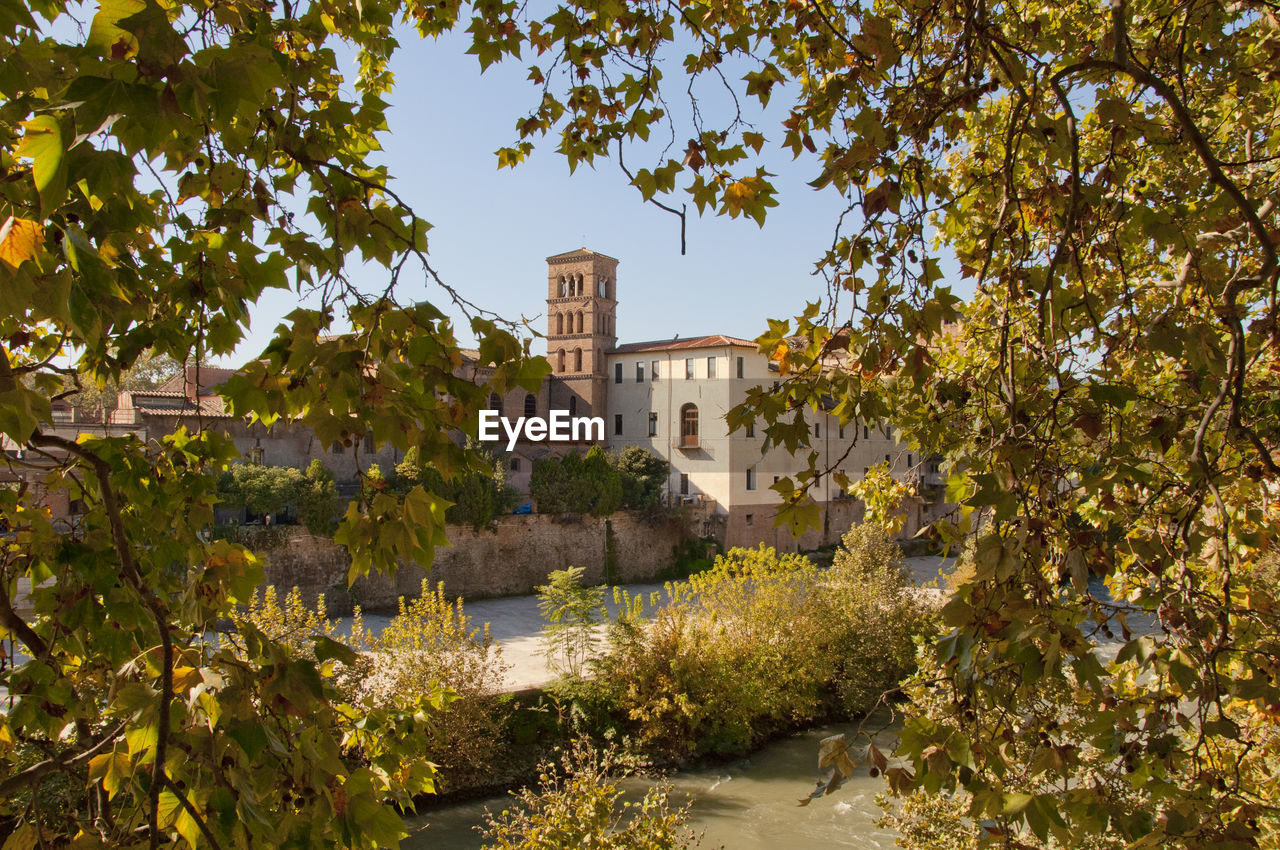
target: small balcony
<point>688,441</point>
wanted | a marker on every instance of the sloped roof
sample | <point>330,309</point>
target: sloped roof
<point>210,405</point>
<point>183,382</point>
<point>677,344</point>
<point>581,252</point>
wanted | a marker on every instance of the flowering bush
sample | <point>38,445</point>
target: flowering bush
<point>576,804</point>
<point>762,642</point>
<point>429,651</point>
<point>727,661</point>
<point>872,614</point>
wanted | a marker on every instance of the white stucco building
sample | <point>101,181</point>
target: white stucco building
<point>671,397</point>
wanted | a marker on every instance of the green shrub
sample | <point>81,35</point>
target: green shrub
<point>280,490</point>
<point>604,482</point>
<point>548,485</point>
<point>573,613</point>
<point>731,659</point>
<point>873,613</point>
<point>688,557</point>
<point>643,475</point>
<point>259,489</point>
<point>428,651</point>
<point>317,499</point>
<point>759,643</point>
<point>578,804</point>
<point>429,646</point>
<point>290,620</point>
<point>576,485</point>
<point>478,497</point>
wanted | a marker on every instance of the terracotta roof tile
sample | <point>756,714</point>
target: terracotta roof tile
<point>677,344</point>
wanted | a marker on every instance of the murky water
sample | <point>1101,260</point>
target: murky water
<point>750,804</point>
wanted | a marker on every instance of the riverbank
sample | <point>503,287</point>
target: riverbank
<point>746,803</point>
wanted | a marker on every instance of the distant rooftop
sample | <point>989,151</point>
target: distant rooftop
<point>678,344</point>
<point>194,381</point>
<point>581,252</point>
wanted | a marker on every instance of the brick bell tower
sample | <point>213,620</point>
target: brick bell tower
<point>582,303</point>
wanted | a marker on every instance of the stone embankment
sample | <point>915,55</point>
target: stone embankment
<point>511,558</point>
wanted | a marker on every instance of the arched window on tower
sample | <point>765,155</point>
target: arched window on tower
<point>530,405</point>
<point>577,360</point>
<point>560,360</point>
<point>689,426</point>
<point>579,330</point>
<point>604,287</point>
<point>559,323</point>
<point>581,291</point>
<point>564,287</point>
<point>495,402</point>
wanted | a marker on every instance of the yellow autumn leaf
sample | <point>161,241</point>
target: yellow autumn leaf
<point>185,678</point>
<point>19,240</point>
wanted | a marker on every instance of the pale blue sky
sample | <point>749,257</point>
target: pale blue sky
<point>493,229</point>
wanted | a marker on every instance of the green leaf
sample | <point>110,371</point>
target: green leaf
<point>105,36</point>
<point>251,737</point>
<point>42,142</point>
<point>328,649</point>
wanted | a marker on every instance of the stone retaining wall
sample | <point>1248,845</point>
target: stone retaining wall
<point>509,559</point>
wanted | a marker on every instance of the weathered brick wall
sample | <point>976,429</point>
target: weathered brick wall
<point>512,558</point>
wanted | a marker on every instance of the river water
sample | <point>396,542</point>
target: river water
<point>749,804</point>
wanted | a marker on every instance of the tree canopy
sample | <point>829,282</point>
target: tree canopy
<point>164,166</point>
<point>1103,173</point>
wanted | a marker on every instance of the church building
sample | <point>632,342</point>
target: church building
<point>671,396</point>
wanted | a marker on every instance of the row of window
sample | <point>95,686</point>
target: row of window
<point>689,427</point>
<point>530,404</point>
<point>751,476</point>
<point>574,323</point>
<point>562,360</point>
<point>866,431</point>
<point>690,369</point>
<point>572,286</point>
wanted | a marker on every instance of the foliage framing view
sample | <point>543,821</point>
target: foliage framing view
<point>1109,405</point>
